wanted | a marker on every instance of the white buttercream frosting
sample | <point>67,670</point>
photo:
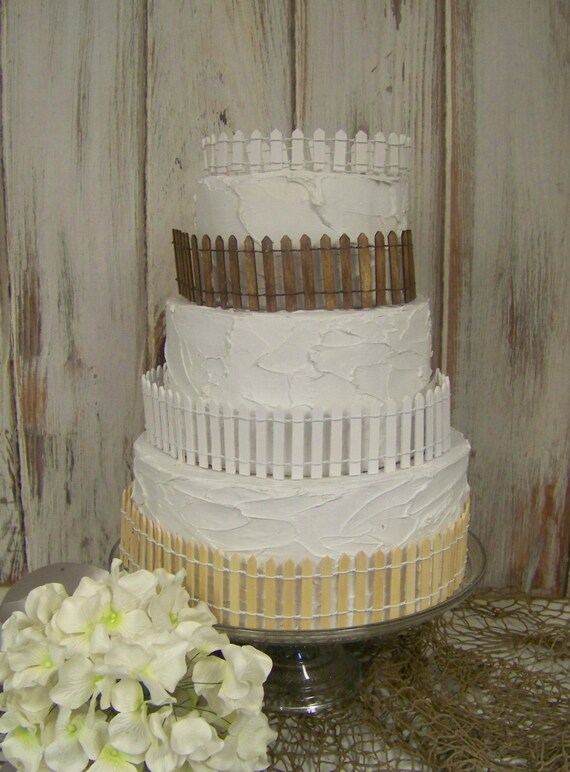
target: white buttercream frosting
<point>291,203</point>
<point>302,518</point>
<point>307,358</point>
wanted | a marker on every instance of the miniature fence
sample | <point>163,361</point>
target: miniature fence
<point>332,593</point>
<point>241,154</point>
<point>369,273</point>
<point>298,443</point>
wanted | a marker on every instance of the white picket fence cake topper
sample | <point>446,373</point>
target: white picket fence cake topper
<point>373,271</point>
<point>249,154</point>
<point>351,590</point>
<point>273,442</point>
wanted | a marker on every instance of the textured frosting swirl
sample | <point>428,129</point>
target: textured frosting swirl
<point>290,203</point>
<point>301,518</point>
<point>307,358</point>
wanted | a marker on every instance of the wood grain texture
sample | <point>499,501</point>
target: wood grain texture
<point>508,347</point>
<point>12,534</point>
<point>73,130</point>
<point>377,65</point>
<point>104,106</point>
<point>213,66</point>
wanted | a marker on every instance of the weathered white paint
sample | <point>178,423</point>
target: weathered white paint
<point>103,108</point>
<point>508,343</point>
<point>72,132</point>
<point>12,558</point>
<point>376,65</point>
<point>213,66</point>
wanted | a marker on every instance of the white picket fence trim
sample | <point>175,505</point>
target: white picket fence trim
<point>298,443</point>
<point>241,154</point>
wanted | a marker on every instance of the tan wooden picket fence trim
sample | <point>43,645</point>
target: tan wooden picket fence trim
<point>331,593</point>
<point>376,271</point>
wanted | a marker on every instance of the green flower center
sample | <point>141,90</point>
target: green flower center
<point>112,619</point>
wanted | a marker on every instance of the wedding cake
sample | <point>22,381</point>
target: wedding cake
<point>298,459</point>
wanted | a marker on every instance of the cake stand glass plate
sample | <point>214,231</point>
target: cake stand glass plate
<point>315,670</point>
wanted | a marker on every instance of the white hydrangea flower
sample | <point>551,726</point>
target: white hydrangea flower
<point>34,659</point>
<point>124,673</point>
<point>194,738</point>
<point>159,667</point>
<point>79,736</point>
<point>112,760</point>
<point>129,730</point>
<point>89,620</point>
<point>42,602</point>
<point>78,681</point>
<point>23,749</point>
<point>160,757</point>
<point>235,682</point>
<point>33,703</point>
<point>131,591</point>
<point>15,623</point>
<point>245,747</point>
<point>201,638</point>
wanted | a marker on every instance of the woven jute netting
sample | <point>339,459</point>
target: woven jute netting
<point>484,687</point>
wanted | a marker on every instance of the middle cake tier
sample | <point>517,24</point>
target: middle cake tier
<point>325,359</point>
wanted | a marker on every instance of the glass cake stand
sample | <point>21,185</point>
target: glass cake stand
<point>316,670</point>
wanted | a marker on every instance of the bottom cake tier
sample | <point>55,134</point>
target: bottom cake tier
<point>345,591</point>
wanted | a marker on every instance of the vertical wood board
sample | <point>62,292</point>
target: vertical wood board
<point>508,348</point>
<point>378,65</point>
<point>12,535</point>
<point>73,131</point>
<point>213,66</point>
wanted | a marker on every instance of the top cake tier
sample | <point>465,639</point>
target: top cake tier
<point>293,186</point>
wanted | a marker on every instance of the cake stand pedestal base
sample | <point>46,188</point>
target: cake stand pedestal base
<point>313,671</point>
<point>310,679</point>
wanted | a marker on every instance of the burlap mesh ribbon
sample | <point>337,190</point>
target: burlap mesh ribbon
<point>485,687</point>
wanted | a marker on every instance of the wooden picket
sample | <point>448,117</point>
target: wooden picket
<point>371,271</point>
<point>326,569</point>
<point>298,443</point>
<point>270,594</point>
<point>361,567</point>
<point>306,616</point>
<point>218,581</point>
<point>350,590</point>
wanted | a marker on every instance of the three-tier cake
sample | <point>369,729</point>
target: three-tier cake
<point>298,459</point>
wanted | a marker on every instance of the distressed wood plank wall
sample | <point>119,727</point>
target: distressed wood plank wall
<point>213,67</point>
<point>104,105</point>
<point>73,160</point>
<point>380,66</point>
<point>508,272</point>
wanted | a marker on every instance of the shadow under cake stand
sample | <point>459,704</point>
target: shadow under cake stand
<point>315,670</point>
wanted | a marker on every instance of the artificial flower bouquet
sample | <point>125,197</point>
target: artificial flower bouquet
<point>123,674</point>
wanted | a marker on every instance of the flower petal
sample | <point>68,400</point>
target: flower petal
<point>66,756</point>
<point>76,683</point>
<point>127,695</point>
<point>112,760</point>
<point>194,738</point>
<point>129,732</point>
<point>43,601</point>
<point>22,748</point>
